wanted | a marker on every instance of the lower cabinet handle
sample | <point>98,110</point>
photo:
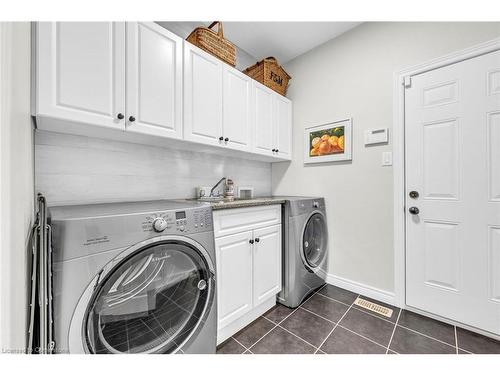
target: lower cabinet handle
<point>257,239</point>
<point>250,241</point>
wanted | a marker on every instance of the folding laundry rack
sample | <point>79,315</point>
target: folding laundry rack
<point>40,332</point>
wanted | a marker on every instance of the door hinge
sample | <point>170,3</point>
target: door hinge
<point>407,82</point>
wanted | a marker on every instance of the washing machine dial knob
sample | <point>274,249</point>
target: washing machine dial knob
<point>159,224</point>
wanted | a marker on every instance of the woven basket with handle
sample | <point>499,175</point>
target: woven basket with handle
<point>269,73</point>
<point>214,42</point>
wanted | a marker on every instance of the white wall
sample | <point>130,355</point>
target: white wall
<point>353,76</point>
<point>75,169</point>
<point>16,182</point>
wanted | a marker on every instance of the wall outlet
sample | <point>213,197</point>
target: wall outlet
<point>386,158</point>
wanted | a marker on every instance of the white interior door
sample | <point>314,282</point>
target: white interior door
<point>81,72</point>
<point>154,80</point>
<point>202,96</point>
<point>453,163</point>
<point>238,109</point>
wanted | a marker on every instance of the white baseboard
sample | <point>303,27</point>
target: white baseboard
<point>359,288</point>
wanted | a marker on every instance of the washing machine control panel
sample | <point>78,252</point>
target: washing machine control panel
<point>179,222</point>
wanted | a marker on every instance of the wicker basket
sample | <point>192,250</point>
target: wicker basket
<point>214,42</point>
<point>269,73</point>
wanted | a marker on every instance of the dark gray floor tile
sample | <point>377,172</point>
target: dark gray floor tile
<point>341,341</point>
<point>395,310</point>
<point>308,326</point>
<point>279,341</point>
<point>326,307</point>
<point>247,352</point>
<point>278,313</point>
<point>253,332</point>
<point>428,326</point>
<point>230,346</point>
<point>460,351</point>
<point>409,342</point>
<point>338,294</point>
<point>391,352</point>
<point>476,343</point>
<point>376,329</point>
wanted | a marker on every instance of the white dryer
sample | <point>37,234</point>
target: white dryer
<point>134,278</point>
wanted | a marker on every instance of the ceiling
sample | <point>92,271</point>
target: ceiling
<point>283,40</point>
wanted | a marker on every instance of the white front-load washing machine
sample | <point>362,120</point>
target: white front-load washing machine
<point>134,278</point>
<point>305,249</point>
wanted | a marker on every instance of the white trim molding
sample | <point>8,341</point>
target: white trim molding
<point>359,288</point>
<point>399,151</point>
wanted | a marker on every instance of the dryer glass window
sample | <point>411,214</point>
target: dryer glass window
<point>315,240</point>
<point>150,302</point>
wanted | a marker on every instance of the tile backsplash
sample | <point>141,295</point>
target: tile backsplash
<point>73,169</point>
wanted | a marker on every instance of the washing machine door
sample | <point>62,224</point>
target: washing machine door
<point>152,301</point>
<point>314,241</point>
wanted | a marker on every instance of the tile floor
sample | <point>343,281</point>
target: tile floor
<point>328,323</point>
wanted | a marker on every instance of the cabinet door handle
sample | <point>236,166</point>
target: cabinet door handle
<point>273,150</point>
<point>257,239</point>
<point>277,150</point>
<point>250,241</point>
<point>226,139</point>
<point>221,138</point>
<point>120,116</point>
<point>131,118</point>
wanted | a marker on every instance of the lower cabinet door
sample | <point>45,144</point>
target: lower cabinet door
<point>234,277</point>
<point>267,263</point>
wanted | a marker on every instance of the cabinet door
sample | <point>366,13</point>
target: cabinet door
<point>80,73</point>
<point>283,126</point>
<point>154,80</point>
<point>264,120</point>
<point>234,277</point>
<point>202,96</point>
<point>266,263</point>
<point>237,109</point>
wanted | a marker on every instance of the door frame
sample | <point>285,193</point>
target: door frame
<point>399,79</point>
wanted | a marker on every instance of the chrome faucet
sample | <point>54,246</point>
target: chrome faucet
<point>216,185</point>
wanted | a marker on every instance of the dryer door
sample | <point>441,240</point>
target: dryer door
<point>314,241</point>
<point>151,301</point>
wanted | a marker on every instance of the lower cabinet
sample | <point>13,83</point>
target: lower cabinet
<point>248,270</point>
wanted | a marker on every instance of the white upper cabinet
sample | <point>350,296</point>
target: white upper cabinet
<point>264,120</point>
<point>202,96</point>
<point>237,109</point>
<point>91,77</point>
<point>80,74</point>
<point>283,127</point>
<point>154,80</point>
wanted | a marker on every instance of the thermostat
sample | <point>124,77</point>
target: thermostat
<point>375,136</point>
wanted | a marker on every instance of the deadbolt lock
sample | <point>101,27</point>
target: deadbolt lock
<point>414,194</point>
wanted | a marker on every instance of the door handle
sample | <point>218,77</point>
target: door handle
<point>414,210</point>
<point>257,239</point>
<point>250,241</point>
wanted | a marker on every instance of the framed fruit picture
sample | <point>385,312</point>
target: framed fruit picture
<point>329,142</point>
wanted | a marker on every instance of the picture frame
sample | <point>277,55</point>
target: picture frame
<point>328,142</point>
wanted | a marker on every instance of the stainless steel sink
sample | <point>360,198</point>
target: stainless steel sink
<point>218,199</point>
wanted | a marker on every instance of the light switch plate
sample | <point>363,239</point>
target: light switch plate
<point>386,158</point>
